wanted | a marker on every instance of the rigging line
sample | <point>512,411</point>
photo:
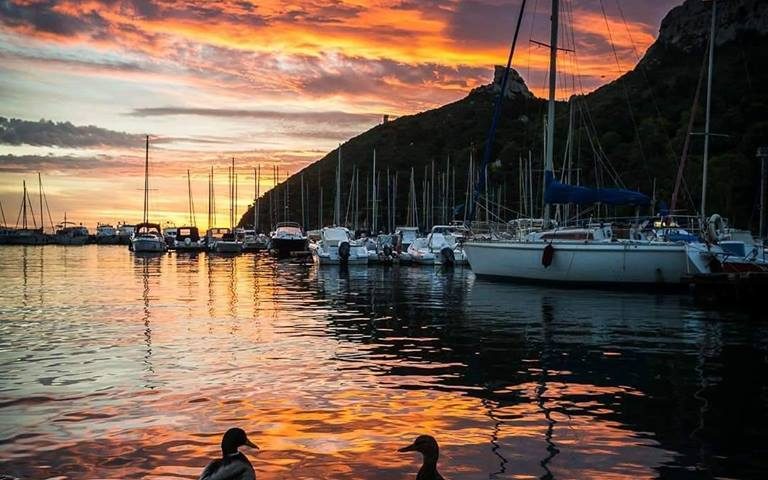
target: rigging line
<point>654,101</point>
<point>50,218</point>
<point>593,138</point>
<point>32,211</point>
<point>684,156</point>
<point>626,92</point>
<point>480,186</point>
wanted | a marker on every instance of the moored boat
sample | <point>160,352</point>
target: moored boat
<point>443,246</point>
<point>337,247</point>
<point>69,233</point>
<point>188,239</point>
<point>287,239</point>
<point>147,238</point>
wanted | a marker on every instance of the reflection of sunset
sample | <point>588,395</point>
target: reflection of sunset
<point>175,349</point>
<point>247,79</point>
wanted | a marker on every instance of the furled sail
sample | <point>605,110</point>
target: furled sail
<point>562,193</point>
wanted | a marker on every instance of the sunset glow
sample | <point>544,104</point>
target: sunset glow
<point>268,83</point>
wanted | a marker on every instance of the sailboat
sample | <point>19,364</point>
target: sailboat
<point>187,238</point>
<point>147,237</point>
<point>229,243</point>
<point>588,255</point>
<point>336,245</point>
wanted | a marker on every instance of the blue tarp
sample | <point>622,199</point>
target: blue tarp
<point>557,192</point>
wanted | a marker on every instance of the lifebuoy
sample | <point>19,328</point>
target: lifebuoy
<point>547,255</point>
<point>714,228</point>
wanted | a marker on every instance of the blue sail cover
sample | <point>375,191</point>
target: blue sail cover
<point>557,192</point>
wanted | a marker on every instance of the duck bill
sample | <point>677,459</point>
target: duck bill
<point>249,443</point>
<point>409,448</point>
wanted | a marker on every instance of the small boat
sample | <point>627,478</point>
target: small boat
<point>69,233</point>
<point>124,233</point>
<point>213,235</point>
<point>404,237</point>
<point>252,241</point>
<point>148,238</point>
<point>337,247</point>
<point>443,246</point>
<point>228,243</point>
<point>106,234</point>
<point>169,234</point>
<point>287,239</point>
<point>384,250</point>
<point>188,240</point>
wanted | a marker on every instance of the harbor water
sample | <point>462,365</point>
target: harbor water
<point>119,366</point>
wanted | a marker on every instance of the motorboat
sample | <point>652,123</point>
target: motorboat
<point>69,233</point>
<point>252,241</point>
<point>124,233</point>
<point>106,234</point>
<point>443,246</point>
<point>148,238</point>
<point>287,239</point>
<point>404,237</point>
<point>337,247</point>
<point>228,243</point>
<point>384,251</point>
<point>188,239</point>
<point>169,234</point>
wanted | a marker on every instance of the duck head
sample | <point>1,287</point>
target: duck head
<point>233,439</point>
<point>426,445</point>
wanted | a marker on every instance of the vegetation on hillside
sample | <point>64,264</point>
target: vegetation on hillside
<point>639,122</point>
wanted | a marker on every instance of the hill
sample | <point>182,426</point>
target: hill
<point>630,131</point>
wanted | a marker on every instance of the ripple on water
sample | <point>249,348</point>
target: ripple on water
<point>135,368</point>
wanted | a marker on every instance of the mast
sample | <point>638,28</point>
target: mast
<point>373,195</point>
<point>40,190</point>
<point>189,193</point>
<point>337,199</point>
<point>709,104</point>
<point>550,143</point>
<point>256,178</point>
<point>146,182</point>
<point>24,205</point>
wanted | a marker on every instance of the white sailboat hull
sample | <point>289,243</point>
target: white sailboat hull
<point>609,263</point>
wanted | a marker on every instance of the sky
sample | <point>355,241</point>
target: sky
<point>264,82</point>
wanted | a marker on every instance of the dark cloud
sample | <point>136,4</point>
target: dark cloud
<point>333,117</point>
<point>43,16</point>
<point>48,163</point>
<point>14,131</point>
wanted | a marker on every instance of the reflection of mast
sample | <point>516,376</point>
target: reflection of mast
<point>552,451</point>
<point>495,439</point>
<point>147,324</point>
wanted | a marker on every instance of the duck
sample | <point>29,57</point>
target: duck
<point>430,451</point>
<point>232,465</point>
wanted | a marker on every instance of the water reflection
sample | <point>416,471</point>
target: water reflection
<point>331,369</point>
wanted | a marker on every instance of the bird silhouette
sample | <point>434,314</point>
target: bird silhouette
<point>430,451</point>
<point>232,465</point>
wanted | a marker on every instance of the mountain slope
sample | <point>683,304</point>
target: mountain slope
<point>639,121</point>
